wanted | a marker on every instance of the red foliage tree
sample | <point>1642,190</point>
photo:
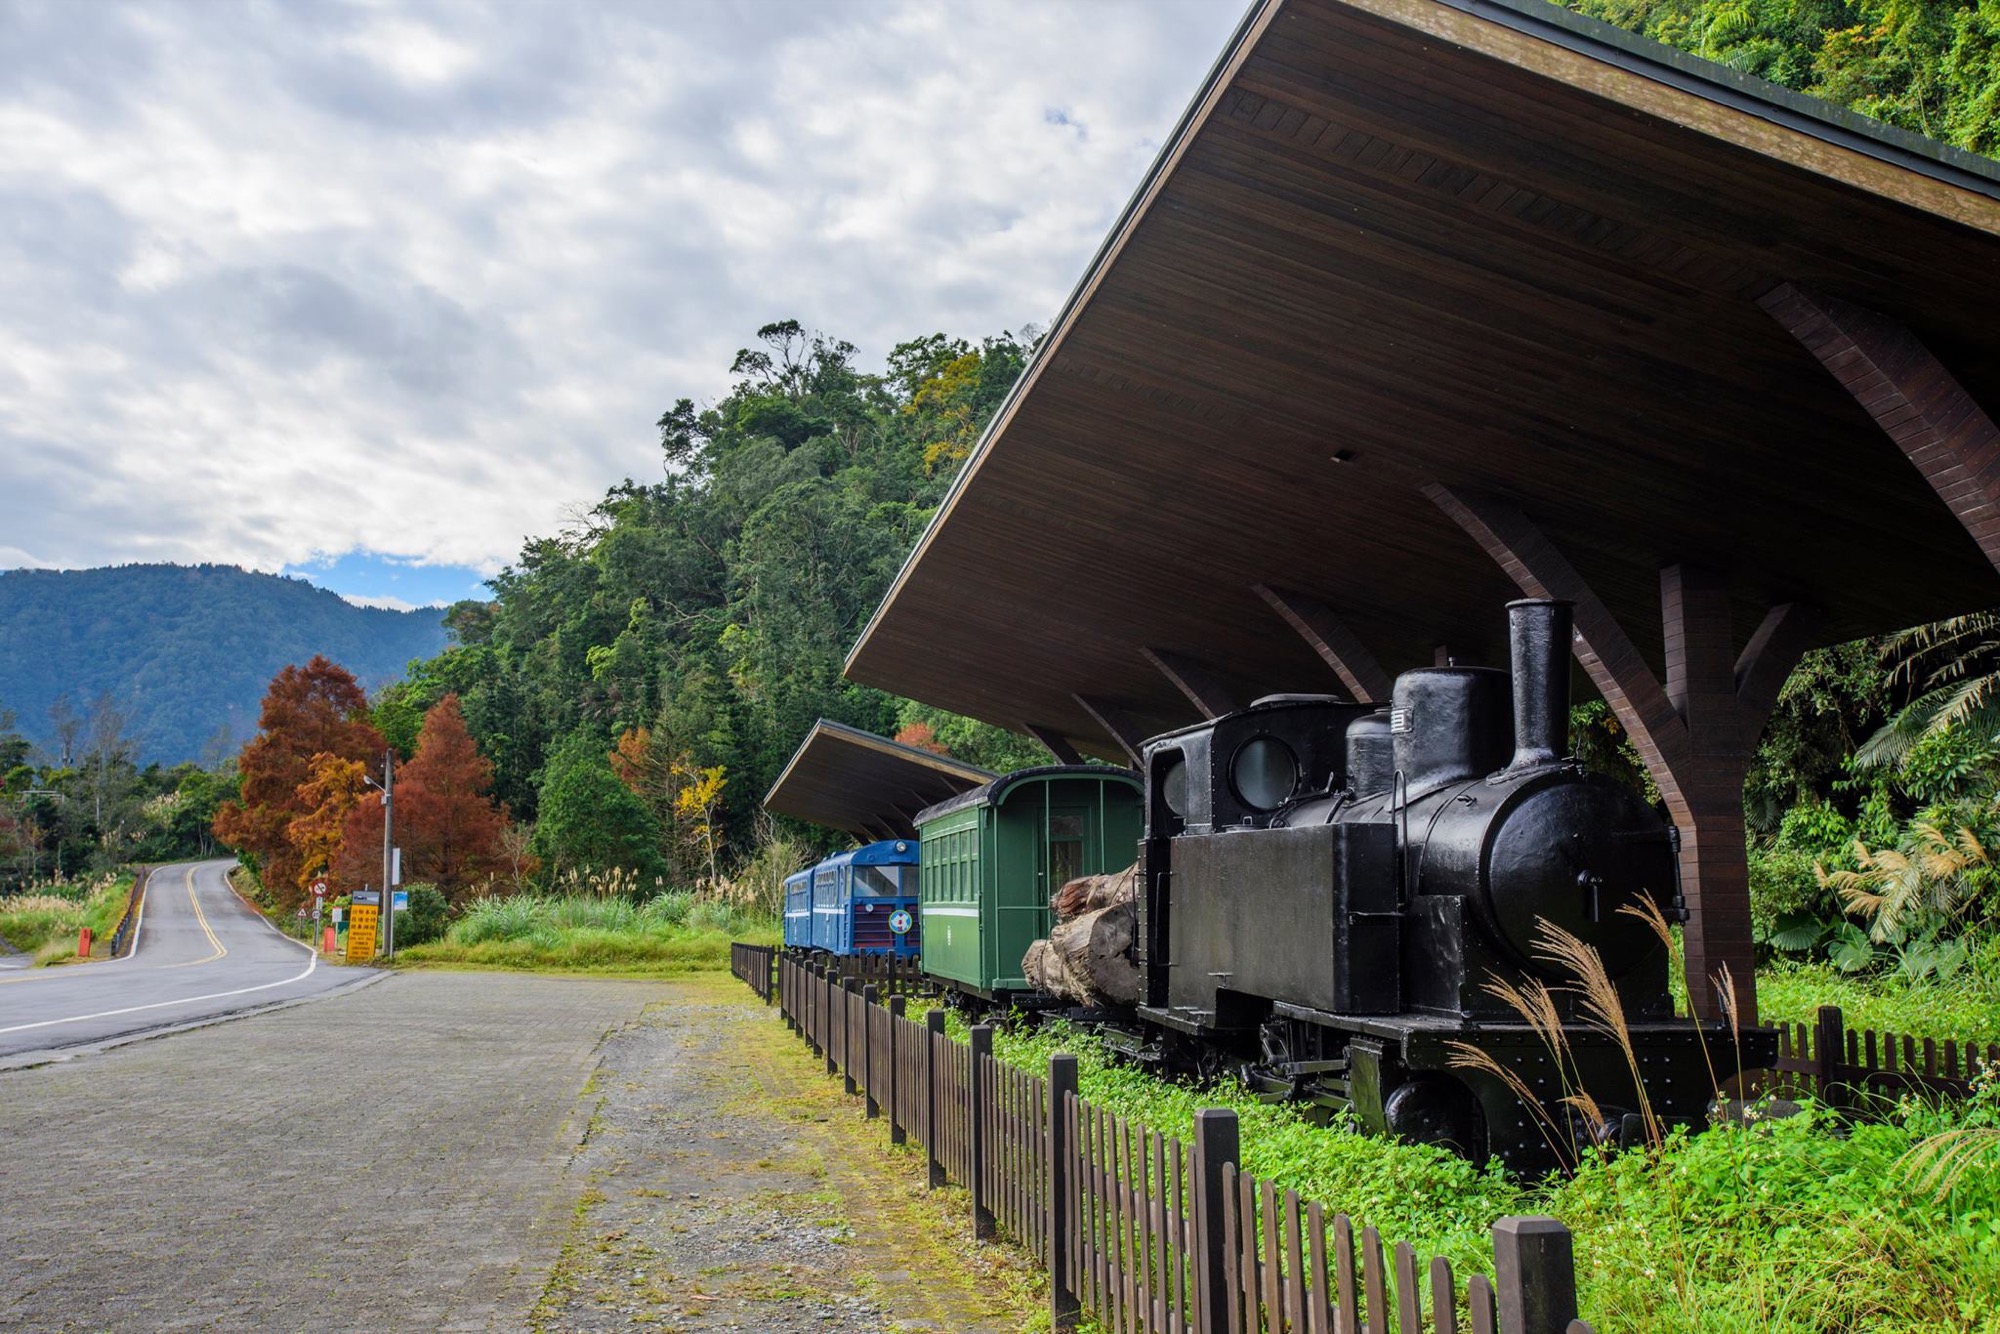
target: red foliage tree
<point>317,709</point>
<point>450,831</point>
<point>922,737</point>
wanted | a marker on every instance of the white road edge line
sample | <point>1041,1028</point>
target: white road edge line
<point>162,1005</point>
<point>312,962</point>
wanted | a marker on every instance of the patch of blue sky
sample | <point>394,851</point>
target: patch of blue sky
<point>373,579</point>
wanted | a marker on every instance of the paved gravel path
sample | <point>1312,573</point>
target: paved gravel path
<point>731,1185</point>
<point>472,1151</point>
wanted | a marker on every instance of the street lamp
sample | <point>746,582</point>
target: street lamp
<point>387,787</point>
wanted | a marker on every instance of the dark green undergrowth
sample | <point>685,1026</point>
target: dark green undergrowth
<point>668,934</point>
<point>1801,1224</point>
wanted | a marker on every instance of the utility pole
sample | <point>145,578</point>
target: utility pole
<point>388,855</point>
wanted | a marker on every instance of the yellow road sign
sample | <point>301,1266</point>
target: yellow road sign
<point>361,931</point>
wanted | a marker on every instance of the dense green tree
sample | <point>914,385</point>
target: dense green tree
<point>590,821</point>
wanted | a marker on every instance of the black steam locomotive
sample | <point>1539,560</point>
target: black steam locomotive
<point>1330,893</point>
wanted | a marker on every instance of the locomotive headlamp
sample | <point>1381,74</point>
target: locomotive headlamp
<point>1264,772</point>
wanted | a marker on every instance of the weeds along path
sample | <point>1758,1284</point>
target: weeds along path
<point>726,1183</point>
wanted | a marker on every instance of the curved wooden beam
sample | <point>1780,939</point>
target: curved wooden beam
<point>1116,724</point>
<point>1328,636</point>
<point>1201,686</point>
<point>1916,401</point>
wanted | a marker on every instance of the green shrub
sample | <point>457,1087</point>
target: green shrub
<point>1782,885</point>
<point>424,920</point>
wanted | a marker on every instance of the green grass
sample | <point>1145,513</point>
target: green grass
<point>670,934</point>
<point>45,923</point>
<point>1965,1005</point>
<point>1797,1225</point>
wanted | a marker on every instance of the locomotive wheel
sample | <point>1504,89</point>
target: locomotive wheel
<point>1437,1109</point>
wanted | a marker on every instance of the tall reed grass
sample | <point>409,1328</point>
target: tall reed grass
<point>674,931</point>
<point>45,921</point>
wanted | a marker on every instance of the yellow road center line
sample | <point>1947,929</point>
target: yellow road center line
<point>207,930</point>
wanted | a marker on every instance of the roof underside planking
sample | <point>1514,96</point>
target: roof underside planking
<point>1399,243</point>
<point>865,785</point>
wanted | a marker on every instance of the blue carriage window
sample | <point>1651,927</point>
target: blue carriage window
<point>877,881</point>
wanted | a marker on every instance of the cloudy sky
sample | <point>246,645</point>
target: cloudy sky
<point>369,291</point>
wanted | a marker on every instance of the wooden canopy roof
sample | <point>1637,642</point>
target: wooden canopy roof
<point>1479,244</point>
<point>865,785</point>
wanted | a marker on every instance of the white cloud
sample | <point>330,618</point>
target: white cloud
<point>411,277</point>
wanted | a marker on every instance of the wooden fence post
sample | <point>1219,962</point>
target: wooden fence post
<point>1217,1142</point>
<point>1063,1308</point>
<point>982,1094</point>
<point>827,1023</point>
<point>1535,1274</point>
<point>850,990</point>
<point>808,1004</point>
<point>933,1035</point>
<point>870,1107</point>
<point>1829,1048</point>
<point>897,1009</point>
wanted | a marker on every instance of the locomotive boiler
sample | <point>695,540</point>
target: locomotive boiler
<point>1339,897</point>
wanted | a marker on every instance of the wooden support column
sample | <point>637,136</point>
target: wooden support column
<point>1056,744</point>
<point>1911,395</point>
<point>1116,724</point>
<point>1192,679</point>
<point>1329,637</point>
<point>1696,734</point>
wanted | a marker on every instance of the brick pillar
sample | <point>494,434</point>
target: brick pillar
<point>1696,733</point>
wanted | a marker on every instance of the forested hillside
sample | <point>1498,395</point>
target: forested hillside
<point>182,652</point>
<point>1925,66</point>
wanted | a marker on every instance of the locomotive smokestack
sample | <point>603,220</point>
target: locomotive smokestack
<point>1539,635</point>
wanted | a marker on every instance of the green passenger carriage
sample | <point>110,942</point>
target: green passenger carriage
<point>992,857</point>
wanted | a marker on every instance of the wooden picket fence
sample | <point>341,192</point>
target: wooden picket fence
<point>1844,1068</point>
<point>756,966</point>
<point>886,972</point>
<point>1144,1233</point>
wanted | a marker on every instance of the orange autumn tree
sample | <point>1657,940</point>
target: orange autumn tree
<point>683,796</point>
<point>317,709</point>
<point>451,833</point>
<point>333,789</point>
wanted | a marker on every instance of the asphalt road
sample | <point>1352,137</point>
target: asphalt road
<point>201,954</point>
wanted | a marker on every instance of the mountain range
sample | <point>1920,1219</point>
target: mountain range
<point>185,652</point>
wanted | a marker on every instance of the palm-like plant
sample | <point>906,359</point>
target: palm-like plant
<point>1954,666</point>
<point>1895,889</point>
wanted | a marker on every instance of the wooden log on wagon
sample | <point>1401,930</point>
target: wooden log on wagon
<point>1087,956</point>
<point>1088,893</point>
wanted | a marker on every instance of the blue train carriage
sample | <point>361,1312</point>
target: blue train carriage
<point>799,909</point>
<point>863,901</point>
<point>994,855</point>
